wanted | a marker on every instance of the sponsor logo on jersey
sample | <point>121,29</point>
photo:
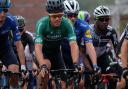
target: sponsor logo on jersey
<point>88,34</point>
<point>38,40</point>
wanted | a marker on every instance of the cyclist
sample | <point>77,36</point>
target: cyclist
<point>82,30</point>
<point>26,37</point>
<point>7,54</point>
<point>124,51</point>
<point>28,45</point>
<point>84,15</point>
<point>102,34</point>
<point>50,31</point>
<point>124,48</point>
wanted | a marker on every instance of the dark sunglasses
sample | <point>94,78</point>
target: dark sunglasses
<point>56,15</point>
<point>5,10</point>
<point>103,19</point>
<point>70,15</point>
<point>21,29</point>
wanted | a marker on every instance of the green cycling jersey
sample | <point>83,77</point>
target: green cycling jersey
<point>51,36</point>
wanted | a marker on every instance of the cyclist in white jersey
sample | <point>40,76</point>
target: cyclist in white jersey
<point>102,34</point>
<point>28,43</point>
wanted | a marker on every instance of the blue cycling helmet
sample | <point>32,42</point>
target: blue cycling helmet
<point>5,4</point>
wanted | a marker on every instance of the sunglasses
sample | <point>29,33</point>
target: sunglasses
<point>103,19</point>
<point>70,15</point>
<point>5,10</point>
<point>56,15</point>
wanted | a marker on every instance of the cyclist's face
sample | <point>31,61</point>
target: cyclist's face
<point>56,19</point>
<point>2,15</point>
<point>72,16</point>
<point>102,22</point>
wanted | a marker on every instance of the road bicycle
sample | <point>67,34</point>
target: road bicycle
<point>7,76</point>
<point>69,76</point>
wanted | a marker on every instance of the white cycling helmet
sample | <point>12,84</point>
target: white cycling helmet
<point>71,6</point>
<point>101,11</point>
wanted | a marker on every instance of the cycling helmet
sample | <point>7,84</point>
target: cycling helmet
<point>5,4</point>
<point>101,11</point>
<point>84,15</point>
<point>71,6</point>
<point>20,21</point>
<point>54,6</point>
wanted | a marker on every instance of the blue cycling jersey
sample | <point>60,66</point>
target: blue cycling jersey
<point>83,34</point>
<point>8,26</point>
<point>82,30</point>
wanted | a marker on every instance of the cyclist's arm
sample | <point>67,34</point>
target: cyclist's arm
<point>89,46</point>
<point>121,41</point>
<point>91,52</point>
<point>39,54</point>
<point>73,43</point>
<point>19,46</point>
<point>20,51</point>
<point>74,51</point>
<point>124,49</point>
<point>39,43</point>
<point>115,42</point>
<point>124,52</point>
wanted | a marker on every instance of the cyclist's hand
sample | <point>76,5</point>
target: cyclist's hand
<point>82,69</point>
<point>24,72</point>
<point>125,73</point>
<point>97,69</point>
<point>23,68</point>
<point>44,70</point>
<point>77,67</point>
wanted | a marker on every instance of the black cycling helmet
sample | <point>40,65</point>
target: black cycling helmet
<point>20,21</point>
<point>54,6</point>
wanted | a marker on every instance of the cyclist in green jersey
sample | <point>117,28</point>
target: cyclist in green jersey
<point>50,31</point>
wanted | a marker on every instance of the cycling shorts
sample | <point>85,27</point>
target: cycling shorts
<point>55,58</point>
<point>8,57</point>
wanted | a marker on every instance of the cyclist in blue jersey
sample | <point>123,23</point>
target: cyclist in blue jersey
<point>7,54</point>
<point>84,38</point>
<point>82,30</point>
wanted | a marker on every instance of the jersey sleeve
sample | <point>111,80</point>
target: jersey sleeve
<point>15,31</point>
<point>114,40</point>
<point>87,34</point>
<point>39,32</point>
<point>71,33</point>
